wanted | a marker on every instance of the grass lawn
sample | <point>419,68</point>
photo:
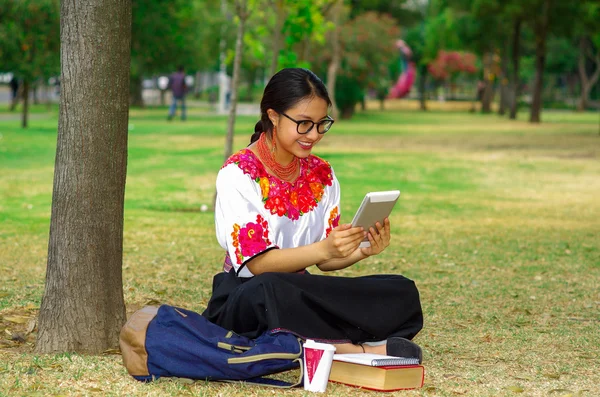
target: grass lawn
<point>498,224</point>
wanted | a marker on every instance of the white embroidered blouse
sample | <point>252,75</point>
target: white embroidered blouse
<point>256,211</point>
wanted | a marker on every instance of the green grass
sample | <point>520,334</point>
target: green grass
<point>498,224</point>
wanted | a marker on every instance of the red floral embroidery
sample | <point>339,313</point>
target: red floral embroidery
<point>284,198</point>
<point>251,239</point>
<point>334,220</point>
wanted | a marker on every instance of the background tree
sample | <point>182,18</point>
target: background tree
<point>367,48</point>
<point>169,33</point>
<point>547,17</point>
<point>335,15</point>
<point>82,308</point>
<point>415,38</point>
<point>242,12</point>
<point>587,32</point>
<point>450,65</point>
<point>29,42</point>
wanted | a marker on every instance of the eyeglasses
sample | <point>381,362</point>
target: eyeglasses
<point>306,126</point>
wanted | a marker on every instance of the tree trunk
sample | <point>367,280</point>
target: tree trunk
<point>278,34</point>
<point>516,43</point>
<point>541,31</point>
<point>47,97</point>
<point>82,308</point>
<point>135,91</point>
<point>34,92</point>
<point>25,114</point>
<point>488,78</point>
<point>586,83</point>
<point>198,85</point>
<point>335,57</point>
<point>242,12</point>
<point>504,81</point>
<point>241,7</point>
<point>348,111</point>
<point>250,79</point>
<point>422,86</point>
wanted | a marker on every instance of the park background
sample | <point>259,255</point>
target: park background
<point>495,148</point>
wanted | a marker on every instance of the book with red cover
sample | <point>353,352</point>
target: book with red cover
<point>365,371</point>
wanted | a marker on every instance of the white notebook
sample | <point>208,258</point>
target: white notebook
<point>375,360</point>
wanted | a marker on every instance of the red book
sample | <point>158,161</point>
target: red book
<point>369,371</point>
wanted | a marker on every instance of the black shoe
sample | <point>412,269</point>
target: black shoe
<point>402,347</point>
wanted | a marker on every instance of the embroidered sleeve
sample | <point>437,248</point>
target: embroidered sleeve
<point>240,218</point>
<point>332,207</point>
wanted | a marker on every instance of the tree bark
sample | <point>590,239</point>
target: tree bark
<point>488,78</point>
<point>82,308</point>
<point>250,79</point>
<point>504,103</point>
<point>242,12</point>
<point>586,82</point>
<point>278,34</point>
<point>516,43</point>
<point>541,32</point>
<point>422,85</point>
<point>241,7</point>
<point>25,114</point>
<point>335,57</point>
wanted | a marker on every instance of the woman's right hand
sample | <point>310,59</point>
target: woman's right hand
<point>343,240</point>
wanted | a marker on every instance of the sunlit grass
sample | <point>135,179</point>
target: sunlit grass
<point>498,224</point>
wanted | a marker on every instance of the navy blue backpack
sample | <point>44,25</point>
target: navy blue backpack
<point>167,341</point>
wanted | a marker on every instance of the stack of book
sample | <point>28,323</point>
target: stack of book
<point>377,372</point>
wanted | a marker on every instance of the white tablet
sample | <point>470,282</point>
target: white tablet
<point>375,207</point>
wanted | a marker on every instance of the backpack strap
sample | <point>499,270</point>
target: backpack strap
<point>281,384</point>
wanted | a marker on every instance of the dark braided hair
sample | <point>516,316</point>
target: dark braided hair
<point>285,89</point>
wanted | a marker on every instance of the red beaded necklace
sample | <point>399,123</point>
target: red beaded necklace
<point>268,158</point>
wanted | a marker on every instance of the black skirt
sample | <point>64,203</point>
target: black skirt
<point>324,308</point>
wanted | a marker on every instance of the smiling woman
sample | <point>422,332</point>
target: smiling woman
<point>277,213</point>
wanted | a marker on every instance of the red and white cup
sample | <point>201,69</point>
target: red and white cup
<point>317,365</point>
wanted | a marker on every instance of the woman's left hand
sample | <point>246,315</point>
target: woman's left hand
<point>379,237</point>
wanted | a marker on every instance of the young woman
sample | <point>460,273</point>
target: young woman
<point>277,214</point>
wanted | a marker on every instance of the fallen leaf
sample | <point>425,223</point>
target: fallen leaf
<point>4,294</point>
<point>560,391</point>
<point>523,377</point>
<point>112,351</point>
<point>95,389</point>
<point>515,389</point>
<point>17,319</point>
<point>30,326</point>
<point>552,376</point>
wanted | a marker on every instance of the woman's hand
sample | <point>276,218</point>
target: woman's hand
<point>343,241</point>
<point>379,237</point>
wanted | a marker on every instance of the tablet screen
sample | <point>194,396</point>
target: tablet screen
<point>375,207</point>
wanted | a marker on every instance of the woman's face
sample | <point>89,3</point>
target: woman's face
<point>289,142</point>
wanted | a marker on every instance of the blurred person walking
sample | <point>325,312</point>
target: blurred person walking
<point>178,90</point>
